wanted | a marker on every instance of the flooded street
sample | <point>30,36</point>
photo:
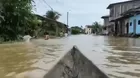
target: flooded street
<point>117,57</point>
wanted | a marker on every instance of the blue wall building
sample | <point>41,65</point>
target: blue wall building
<point>134,24</point>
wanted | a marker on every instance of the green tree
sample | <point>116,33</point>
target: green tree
<point>97,28</point>
<point>35,25</point>
<point>53,15</point>
<point>76,30</point>
<point>53,25</point>
<point>17,15</point>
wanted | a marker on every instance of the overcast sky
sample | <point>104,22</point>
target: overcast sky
<point>81,12</point>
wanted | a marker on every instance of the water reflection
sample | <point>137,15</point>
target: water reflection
<point>123,59</point>
<point>21,60</point>
<point>14,58</point>
<point>117,57</point>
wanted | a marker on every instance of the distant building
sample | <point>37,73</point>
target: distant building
<point>88,29</point>
<point>60,27</point>
<point>108,26</point>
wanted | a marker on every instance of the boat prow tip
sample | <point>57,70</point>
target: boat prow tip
<point>75,65</point>
<point>74,46</point>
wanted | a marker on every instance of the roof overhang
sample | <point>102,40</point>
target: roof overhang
<point>120,3</point>
<point>107,16</point>
<point>44,18</point>
<point>128,14</point>
<point>119,18</point>
<point>131,12</point>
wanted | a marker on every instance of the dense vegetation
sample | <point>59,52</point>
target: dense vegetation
<point>54,27</point>
<point>76,30</point>
<point>17,20</point>
<point>97,28</point>
<point>50,24</point>
<point>53,15</point>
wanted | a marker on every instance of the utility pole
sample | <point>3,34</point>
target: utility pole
<point>67,21</point>
<point>67,18</point>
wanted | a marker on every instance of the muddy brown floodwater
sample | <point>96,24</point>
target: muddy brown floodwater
<point>117,57</point>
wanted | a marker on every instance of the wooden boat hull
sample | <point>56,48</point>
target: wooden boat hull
<point>75,65</point>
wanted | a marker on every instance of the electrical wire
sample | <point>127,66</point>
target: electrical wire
<point>47,4</point>
<point>40,1</point>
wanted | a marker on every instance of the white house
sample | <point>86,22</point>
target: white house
<point>88,29</point>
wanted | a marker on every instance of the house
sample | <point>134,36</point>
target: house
<point>58,26</point>
<point>133,16</point>
<point>134,24</point>
<point>88,29</point>
<point>121,23</point>
<point>108,26</point>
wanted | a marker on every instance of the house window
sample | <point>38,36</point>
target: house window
<point>111,12</point>
<point>130,23</point>
<point>120,9</point>
<point>138,22</point>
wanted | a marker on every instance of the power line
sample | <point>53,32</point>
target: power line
<point>48,5</point>
<point>42,2</point>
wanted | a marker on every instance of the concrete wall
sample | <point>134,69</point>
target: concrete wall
<point>109,26</point>
<point>123,26</point>
<point>131,20</point>
<point>106,21</point>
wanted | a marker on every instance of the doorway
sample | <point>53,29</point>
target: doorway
<point>127,28</point>
<point>134,26</point>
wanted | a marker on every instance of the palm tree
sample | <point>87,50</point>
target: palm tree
<point>53,25</point>
<point>96,27</point>
<point>53,15</point>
